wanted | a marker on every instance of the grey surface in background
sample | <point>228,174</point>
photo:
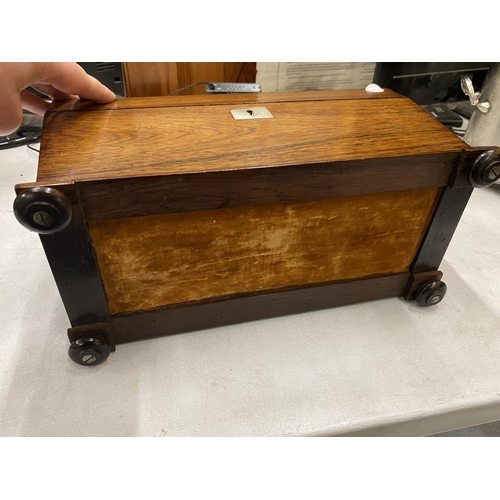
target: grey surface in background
<point>486,430</point>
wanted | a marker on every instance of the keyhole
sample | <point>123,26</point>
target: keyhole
<point>250,112</point>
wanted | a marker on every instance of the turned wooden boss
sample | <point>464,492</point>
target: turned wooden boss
<point>164,215</point>
<point>42,209</point>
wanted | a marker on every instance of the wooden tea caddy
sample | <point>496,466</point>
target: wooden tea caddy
<point>169,214</point>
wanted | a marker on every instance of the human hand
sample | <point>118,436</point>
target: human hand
<point>56,80</point>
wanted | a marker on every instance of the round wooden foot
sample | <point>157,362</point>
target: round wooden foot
<point>431,293</point>
<point>89,352</point>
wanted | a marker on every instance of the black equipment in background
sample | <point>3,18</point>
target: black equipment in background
<point>109,74</point>
<point>430,82</point>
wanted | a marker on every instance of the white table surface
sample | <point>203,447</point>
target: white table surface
<point>386,367</point>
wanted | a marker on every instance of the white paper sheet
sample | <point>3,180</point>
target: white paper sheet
<point>295,76</point>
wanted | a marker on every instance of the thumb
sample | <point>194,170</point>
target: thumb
<point>11,108</point>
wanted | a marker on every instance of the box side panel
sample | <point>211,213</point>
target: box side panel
<point>161,260</point>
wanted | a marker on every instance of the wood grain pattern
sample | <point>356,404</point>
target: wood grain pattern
<point>152,261</point>
<point>116,198</point>
<point>74,266</point>
<point>440,232</point>
<point>173,140</point>
<point>418,280</point>
<point>194,72</point>
<point>240,72</point>
<point>144,79</point>
<point>99,330</point>
<point>128,327</point>
<point>197,220</point>
<point>214,100</point>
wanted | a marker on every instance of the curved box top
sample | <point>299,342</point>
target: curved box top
<point>142,137</point>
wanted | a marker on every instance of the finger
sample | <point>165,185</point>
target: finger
<point>50,91</point>
<point>33,103</point>
<point>72,79</point>
<point>11,116</point>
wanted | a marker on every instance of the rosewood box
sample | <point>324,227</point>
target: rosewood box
<point>169,214</point>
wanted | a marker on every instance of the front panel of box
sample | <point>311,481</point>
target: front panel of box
<point>161,260</point>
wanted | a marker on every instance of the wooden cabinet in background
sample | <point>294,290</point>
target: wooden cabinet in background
<point>146,79</point>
